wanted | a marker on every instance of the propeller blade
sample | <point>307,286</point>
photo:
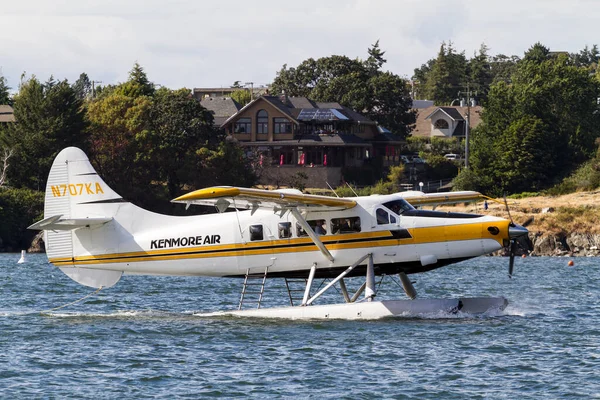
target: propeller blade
<point>508,210</point>
<point>527,222</point>
<point>511,260</point>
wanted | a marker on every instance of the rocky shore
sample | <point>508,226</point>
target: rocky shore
<point>574,244</point>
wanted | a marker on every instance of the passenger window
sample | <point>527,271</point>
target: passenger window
<point>300,231</point>
<point>285,230</point>
<point>318,226</point>
<point>256,232</point>
<point>345,225</point>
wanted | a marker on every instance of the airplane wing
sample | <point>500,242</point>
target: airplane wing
<point>418,199</point>
<point>223,197</point>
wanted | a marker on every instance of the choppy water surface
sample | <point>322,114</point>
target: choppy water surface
<point>142,339</point>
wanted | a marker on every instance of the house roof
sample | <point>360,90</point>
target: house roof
<point>6,114</point>
<point>449,111</point>
<point>293,106</point>
<point>221,106</point>
<point>423,125</point>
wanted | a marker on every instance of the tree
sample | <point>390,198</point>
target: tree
<point>83,87</point>
<point>4,92</point>
<point>539,127</point>
<point>138,84</point>
<point>242,96</point>
<point>502,68</point>
<point>117,125</point>
<point>479,74</point>
<point>179,126</point>
<point>442,79</point>
<point>375,61</point>
<point>359,85</point>
<point>50,118</point>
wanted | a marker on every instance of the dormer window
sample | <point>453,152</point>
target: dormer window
<point>441,124</point>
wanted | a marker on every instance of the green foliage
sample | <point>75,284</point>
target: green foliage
<point>19,208</point>
<point>585,178</point>
<point>523,195</point>
<point>438,167</point>
<point>4,92</point>
<point>242,96</point>
<point>50,117</point>
<point>442,79</point>
<point>82,87</point>
<point>298,181</point>
<point>467,179</point>
<point>359,85</point>
<point>224,165</point>
<point>539,127</point>
<point>137,85</point>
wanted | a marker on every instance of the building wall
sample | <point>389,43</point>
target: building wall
<point>442,132</point>
<point>318,177</point>
<point>251,112</point>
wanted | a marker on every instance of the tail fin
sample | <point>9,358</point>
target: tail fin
<point>73,187</point>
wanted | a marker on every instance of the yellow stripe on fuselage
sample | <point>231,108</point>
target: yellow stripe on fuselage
<point>459,232</point>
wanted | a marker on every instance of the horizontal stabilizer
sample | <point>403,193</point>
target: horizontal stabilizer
<point>56,223</point>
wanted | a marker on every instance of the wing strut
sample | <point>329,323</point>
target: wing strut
<point>311,233</point>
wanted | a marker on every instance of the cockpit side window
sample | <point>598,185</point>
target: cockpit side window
<point>398,206</point>
<point>382,216</point>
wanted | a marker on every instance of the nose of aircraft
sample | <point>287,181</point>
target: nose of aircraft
<point>516,231</point>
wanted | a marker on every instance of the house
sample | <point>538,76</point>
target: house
<point>296,134</point>
<point>446,122</point>
<point>6,114</point>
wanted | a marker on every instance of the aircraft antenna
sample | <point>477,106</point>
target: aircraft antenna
<point>329,186</point>
<point>351,188</point>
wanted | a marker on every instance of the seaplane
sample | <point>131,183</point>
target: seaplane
<point>95,236</point>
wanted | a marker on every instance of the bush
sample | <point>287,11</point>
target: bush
<point>585,178</point>
<point>19,208</point>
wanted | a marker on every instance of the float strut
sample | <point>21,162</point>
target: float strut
<point>407,285</point>
<point>370,290</point>
<point>333,282</point>
<point>344,291</point>
<point>311,276</point>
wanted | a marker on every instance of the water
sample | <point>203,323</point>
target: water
<point>141,339</point>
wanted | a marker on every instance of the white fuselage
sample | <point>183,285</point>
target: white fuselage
<point>227,244</point>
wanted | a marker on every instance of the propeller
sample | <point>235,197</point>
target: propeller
<point>517,234</point>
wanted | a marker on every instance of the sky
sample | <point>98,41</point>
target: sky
<point>208,43</point>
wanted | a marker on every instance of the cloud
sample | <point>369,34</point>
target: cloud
<point>192,43</point>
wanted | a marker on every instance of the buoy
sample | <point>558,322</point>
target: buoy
<point>571,263</point>
<point>523,256</point>
<point>22,259</point>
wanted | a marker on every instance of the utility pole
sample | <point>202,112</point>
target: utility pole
<point>468,127</point>
<point>94,87</point>
<point>251,90</point>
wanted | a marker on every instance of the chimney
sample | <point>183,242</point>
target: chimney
<point>283,97</point>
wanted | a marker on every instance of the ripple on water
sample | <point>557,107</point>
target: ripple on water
<point>142,338</point>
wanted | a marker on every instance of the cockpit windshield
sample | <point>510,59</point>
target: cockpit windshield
<point>398,206</point>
